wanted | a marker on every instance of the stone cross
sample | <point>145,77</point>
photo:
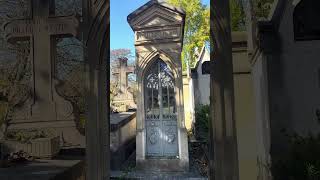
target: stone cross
<point>122,74</point>
<point>42,29</point>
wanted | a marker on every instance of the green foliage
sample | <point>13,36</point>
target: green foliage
<point>197,27</point>
<point>196,30</point>
<point>300,161</point>
<point>262,8</point>
<point>201,126</point>
<point>126,171</point>
<point>237,16</point>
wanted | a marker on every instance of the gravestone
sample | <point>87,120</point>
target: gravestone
<point>124,99</point>
<point>45,109</point>
<point>161,140</point>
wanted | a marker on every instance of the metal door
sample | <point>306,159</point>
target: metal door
<point>160,111</point>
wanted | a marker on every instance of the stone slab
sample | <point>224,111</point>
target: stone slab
<point>118,120</point>
<point>155,175</point>
<point>162,165</point>
<point>45,170</point>
<point>122,137</point>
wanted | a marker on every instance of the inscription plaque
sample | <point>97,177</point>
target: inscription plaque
<point>158,34</point>
<point>52,26</point>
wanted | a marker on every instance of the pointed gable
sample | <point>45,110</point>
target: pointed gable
<point>155,13</point>
<point>157,21</point>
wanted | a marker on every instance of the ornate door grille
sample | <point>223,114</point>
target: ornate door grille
<point>160,111</point>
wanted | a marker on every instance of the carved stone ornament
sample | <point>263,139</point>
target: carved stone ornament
<point>153,137</point>
<point>170,136</point>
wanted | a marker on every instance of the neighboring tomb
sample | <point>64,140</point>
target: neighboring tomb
<point>45,108</point>
<point>161,141</point>
<point>124,100</point>
<point>122,137</point>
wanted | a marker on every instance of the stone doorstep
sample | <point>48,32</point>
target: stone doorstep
<point>155,175</point>
<point>163,165</point>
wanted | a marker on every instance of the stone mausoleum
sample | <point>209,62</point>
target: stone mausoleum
<point>161,140</point>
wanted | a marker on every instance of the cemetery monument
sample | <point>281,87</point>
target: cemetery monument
<point>161,140</point>
<point>123,101</point>
<point>45,109</point>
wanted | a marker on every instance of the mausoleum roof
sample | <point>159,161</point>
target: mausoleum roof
<point>151,3</point>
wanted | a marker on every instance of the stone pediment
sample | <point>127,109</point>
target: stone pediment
<point>156,20</point>
<point>155,14</point>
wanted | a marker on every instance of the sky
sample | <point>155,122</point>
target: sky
<point>121,33</point>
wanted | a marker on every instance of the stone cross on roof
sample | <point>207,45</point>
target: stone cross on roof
<point>122,74</point>
<point>40,29</point>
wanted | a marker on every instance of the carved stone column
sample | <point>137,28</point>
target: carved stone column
<point>96,34</point>
<point>224,163</point>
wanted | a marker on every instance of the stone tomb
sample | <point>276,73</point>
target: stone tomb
<point>123,101</point>
<point>161,141</point>
<point>45,108</point>
<point>122,137</point>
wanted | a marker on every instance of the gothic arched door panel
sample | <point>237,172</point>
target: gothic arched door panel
<point>160,111</point>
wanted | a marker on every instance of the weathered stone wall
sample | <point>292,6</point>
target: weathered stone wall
<point>187,103</point>
<point>259,72</point>
<point>244,108</point>
<point>297,70</point>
